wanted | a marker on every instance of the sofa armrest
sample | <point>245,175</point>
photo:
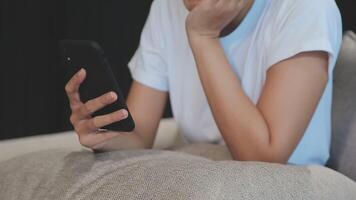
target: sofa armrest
<point>343,148</point>
<point>17,147</point>
<point>167,136</point>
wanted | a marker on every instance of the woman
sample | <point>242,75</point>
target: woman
<point>255,75</point>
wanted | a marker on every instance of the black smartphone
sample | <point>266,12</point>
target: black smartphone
<point>77,54</point>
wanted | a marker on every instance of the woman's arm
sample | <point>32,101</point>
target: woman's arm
<point>271,130</point>
<point>146,106</point>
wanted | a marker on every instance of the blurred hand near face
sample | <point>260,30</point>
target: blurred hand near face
<point>209,17</point>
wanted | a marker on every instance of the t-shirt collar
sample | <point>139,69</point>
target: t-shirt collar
<point>246,26</point>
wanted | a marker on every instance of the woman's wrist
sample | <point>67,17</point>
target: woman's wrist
<point>198,41</point>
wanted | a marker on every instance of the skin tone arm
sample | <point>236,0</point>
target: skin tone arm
<point>146,106</point>
<point>270,130</point>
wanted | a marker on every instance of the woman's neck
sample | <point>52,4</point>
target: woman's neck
<point>238,19</point>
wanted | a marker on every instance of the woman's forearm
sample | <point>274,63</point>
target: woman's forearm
<point>240,122</point>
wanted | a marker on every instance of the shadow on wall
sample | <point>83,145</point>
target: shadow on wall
<point>31,80</point>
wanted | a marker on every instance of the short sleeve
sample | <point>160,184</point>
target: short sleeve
<point>148,65</point>
<point>305,26</point>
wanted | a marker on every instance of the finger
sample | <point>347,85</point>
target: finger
<point>223,4</point>
<point>79,113</point>
<point>72,87</point>
<point>100,102</point>
<point>84,111</point>
<point>208,3</point>
<point>239,4</point>
<point>92,125</point>
<point>104,120</point>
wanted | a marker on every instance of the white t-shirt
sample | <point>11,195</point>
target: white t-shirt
<point>272,31</point>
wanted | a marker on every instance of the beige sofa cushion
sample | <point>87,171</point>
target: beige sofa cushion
<point>59,174</point>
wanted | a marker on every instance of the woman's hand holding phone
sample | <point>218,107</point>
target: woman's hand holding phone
<point>86,126</point>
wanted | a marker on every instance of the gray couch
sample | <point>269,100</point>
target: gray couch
<point>198,171</point>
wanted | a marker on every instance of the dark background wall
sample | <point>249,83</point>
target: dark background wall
<point>32,98</point>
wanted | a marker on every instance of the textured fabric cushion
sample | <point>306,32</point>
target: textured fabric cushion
<point>58,174</point>
<point>343,152</point>
<point>167,136</point>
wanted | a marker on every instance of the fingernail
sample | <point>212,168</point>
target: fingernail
<point>80,72</point>
<point>112,95</point>
<point>124,113</point>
